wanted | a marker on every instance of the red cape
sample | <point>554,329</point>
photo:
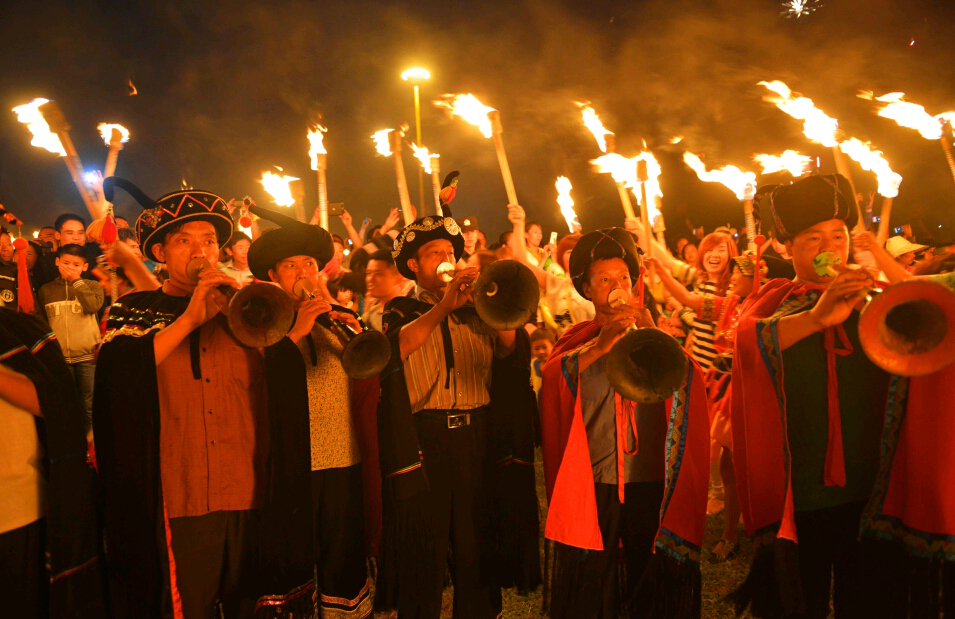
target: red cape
<point>572,511</point>
<point>364,399</point>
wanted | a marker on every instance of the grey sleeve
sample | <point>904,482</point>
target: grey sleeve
<point>90,295</point>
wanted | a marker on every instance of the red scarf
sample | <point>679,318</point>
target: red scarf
<point>572,512</point>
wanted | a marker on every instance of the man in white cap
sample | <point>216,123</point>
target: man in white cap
<point>903,250</point>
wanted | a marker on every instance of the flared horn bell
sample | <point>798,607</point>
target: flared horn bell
<point>260,314</point>
<point>909,328</point>
<point>647,366</point>
<point>506,295</point>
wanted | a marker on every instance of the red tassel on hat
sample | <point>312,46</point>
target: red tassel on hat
<point>24,292</point>
<point>109,234</point>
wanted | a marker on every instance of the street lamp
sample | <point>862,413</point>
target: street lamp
<point>416,75</point>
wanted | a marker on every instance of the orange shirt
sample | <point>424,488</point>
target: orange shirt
<point>214,435</point>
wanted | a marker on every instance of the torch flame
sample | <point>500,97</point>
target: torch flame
<point>382,142</point>
<point>873,161</point>
<point>315,145</point>
<point>469,108</point>
<point>424,156</point>
<point>278,188</point>
<point>566,203</point>
<point>624,171</point>
<point>743,184</point>
<point>29,114</point>
<point>816,125</point>
<point>592,122</point>
<point>912,115</point>
<point>790,160</point>
<point>106,131</point>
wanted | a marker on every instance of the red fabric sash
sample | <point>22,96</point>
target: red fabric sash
<point>572,512</point>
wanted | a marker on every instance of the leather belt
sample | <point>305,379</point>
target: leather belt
<point>453,419</point>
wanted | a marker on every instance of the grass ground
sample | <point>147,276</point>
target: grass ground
<point>718,579</point>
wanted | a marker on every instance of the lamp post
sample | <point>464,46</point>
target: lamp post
<point>415,76</point>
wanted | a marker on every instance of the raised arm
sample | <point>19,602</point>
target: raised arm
<point>516,215</point>
<point>866,241</point>
<point>350,228</point>
<point>680,293</point>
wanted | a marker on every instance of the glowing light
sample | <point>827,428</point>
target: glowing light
<point>592,122</point>
<point>90,178</point>
<point>278,187</point>
<point>106,131</point>
<point>910,115</point>
<point>415,74</point>
<point>652,183</point>
<point>566,203</point>
<point>469,108</point>
<point>872,160</point>
<point>624,171</point>
<point>816,125</point>
<point>676,139</point>
<point>424,157</point>
<point>316,146</point>
<point>743,184</point>
<point>36,233</point>
<point>382,142</point>
<point>790,160</point>
<point>799,8</point>
<point>29,115</point>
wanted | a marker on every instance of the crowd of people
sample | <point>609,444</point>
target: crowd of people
<point>160,466</point>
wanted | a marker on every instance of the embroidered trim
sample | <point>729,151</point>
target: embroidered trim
<point>676,439</point>
<point>73,570</point>
<point>12,352</point>
<point>407,469</point>
<point>46,339</point>
<point>341,608</point>
<point>132,331</point>
<point>291,596</point>
<point>678,548</point>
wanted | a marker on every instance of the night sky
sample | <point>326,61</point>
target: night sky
<point>226,91</point>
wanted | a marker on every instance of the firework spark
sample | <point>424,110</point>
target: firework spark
<point>799,8</point>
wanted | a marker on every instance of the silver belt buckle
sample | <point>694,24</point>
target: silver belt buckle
<point>459,421</point>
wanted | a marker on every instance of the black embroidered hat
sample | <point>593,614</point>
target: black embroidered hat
<point>809,201</point>
<point>291,238</point>
<point>421,231</point>
<point>173,209</point>
<point>603,245</point>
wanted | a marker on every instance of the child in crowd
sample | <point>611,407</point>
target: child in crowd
<point>542,343</point>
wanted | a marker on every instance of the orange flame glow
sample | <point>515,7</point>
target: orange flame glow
<point>316,146</point>
<point>469,108</point>
<point>278,187</point>
<point>743,184</point>
<point>566,203</point>
<point>790,160</point>
<point>624,171</point>
<point>911,115</point>
<point>29,114</point>
<point>816,125</point>
<point>106,131</point>
<point>424,156</point>
<point>873,161</point>
<point>592,122</point>
<point>382,142</point>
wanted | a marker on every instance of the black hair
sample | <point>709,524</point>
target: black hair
<point>505,237</point>
<point>531,224</point>
<point>3,230</point>
<point>65,217</point>
<point>47,228</point>
<point>371,233</point>
<point>125,234</point>
<point>236,237</point>
<point>352,281</point>
<point>358,261</point>
<point>383,255</point>
<point>72,249</point>
<point>338,239</point>
<point>544,334</point>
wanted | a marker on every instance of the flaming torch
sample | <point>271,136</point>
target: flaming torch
<point>624,173</point>
<point>278,187</point>
<point>743,184</point>
<point>914,116</point>
<point>566,204</point>
<point>430,163</point>
<point>114,136</point>
<point>50,130</point>
<point>872,160</point>
<point>817,126</point>
<point>606,142</point>
<point>790,161</point>
<point>319,156</point>
<point>488,120</point>
<point>387,143</point>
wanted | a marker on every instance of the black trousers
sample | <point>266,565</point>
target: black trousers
<point>589,583</point>
<point>340,542</point>
<point>456,514</point>
<point>830,561</point>
<point>24,581</point>
<point>214,557</point>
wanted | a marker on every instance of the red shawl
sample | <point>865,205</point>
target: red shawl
<point>913,500</point>
<point>572,513</point>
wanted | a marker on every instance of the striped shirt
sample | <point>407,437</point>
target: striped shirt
<point>703,349</point>
<point>426,372</point>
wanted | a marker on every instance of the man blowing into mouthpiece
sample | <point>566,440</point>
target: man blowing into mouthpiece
<point>452,424</point>
<point>617,471</point>
<point>200,508</point>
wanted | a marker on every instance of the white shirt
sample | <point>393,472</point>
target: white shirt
<point>244,277</point>
<point>22,485</point>
<point>566,304</point>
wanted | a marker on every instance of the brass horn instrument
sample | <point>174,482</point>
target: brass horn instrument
<point>909,328</point>
<point>506,295</point>
<point>259,314</point>
<point>645,365</point>
<point>366,352</point>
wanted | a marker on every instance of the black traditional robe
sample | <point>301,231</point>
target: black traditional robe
<point>126,419</point>
<point>73,548</point>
